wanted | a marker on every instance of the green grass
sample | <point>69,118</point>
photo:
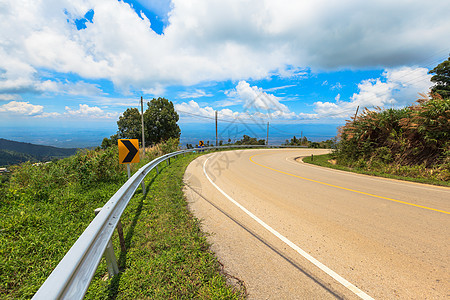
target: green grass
<point>45,209</point>
<point>35,235</point>
<point>167,255</point>
<point>323,161</point>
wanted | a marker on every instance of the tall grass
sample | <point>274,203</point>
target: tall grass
<point>413,141</point>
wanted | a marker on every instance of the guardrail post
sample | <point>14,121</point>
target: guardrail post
<point>121,239</point>
<point>143,187</point>
<point>157,171</point>
<point>111,261</point>
<point>168,161</point>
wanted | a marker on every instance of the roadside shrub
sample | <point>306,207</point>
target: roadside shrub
<point>418,135</point>
<point>95,166</point>
<point>413,135</point>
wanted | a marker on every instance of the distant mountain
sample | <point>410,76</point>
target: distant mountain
<point>12,152</point>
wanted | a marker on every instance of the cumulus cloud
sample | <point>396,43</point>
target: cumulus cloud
<point>86,111</point>
<point>21,108</point>
<point>37,111</point>
<point>193,109</point>
<point>254,98</point>
<point>18,77</point>
<point>397,88</point>
<point>213,40</point>
<point>256,104</point>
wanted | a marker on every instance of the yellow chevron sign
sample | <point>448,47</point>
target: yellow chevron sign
<point>128,151</point>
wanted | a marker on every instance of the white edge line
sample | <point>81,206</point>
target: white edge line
<point>314,261</point>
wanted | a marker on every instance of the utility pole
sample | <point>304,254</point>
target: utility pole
<point>142,119</point>
<point>217,143</point>
<point>267,139</point>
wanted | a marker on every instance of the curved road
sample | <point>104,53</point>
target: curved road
<point>290,230</point>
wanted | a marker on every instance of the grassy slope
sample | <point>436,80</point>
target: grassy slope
<point>323,160</point>
<point>36,235</point>
<point>167,255</point>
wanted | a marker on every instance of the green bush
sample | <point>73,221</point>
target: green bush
<point>406,138</point>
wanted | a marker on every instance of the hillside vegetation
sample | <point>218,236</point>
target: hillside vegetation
<point>45,208</point>
<point>12,152</point>
<point>8,157</point>
<point>413,141</point>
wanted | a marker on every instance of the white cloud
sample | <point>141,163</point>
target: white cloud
<point>85,111</point>
<point>37,111</point>
<point>397,88</point>
<point>193,111</point>
<point>337,86</point>
<point>213,40</point>
<point>49,115</point>
<point>155,91</point>
<point>9,97</point>
<point>17,77</point>
<point>254,98</point>
<point>256,105</point>
<point>81,88</point>
<point>193,108</point>
<point>21,108</point>
<point>279,88</point>
<point>195,94</point>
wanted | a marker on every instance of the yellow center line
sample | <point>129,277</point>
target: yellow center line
<point>347,189</point>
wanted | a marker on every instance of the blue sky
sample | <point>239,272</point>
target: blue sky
<point>70,68</point>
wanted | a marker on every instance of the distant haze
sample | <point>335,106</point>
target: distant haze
<point>191,133</point>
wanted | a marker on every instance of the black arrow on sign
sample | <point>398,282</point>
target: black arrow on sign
<point>132,152</point>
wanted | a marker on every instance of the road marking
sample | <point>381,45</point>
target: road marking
<point>347,189</point>
<point>296,248</point>
<point>423,186</point>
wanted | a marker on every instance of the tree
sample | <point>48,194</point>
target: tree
<point>106,143</point>
<point>441,79</point>
<point>247,140</point>
<point>129,124</point>
<point>160,122</point>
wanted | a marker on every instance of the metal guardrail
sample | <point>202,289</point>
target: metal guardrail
<point>72,276</point>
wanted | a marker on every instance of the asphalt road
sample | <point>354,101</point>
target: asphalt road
<point>289,230</point>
